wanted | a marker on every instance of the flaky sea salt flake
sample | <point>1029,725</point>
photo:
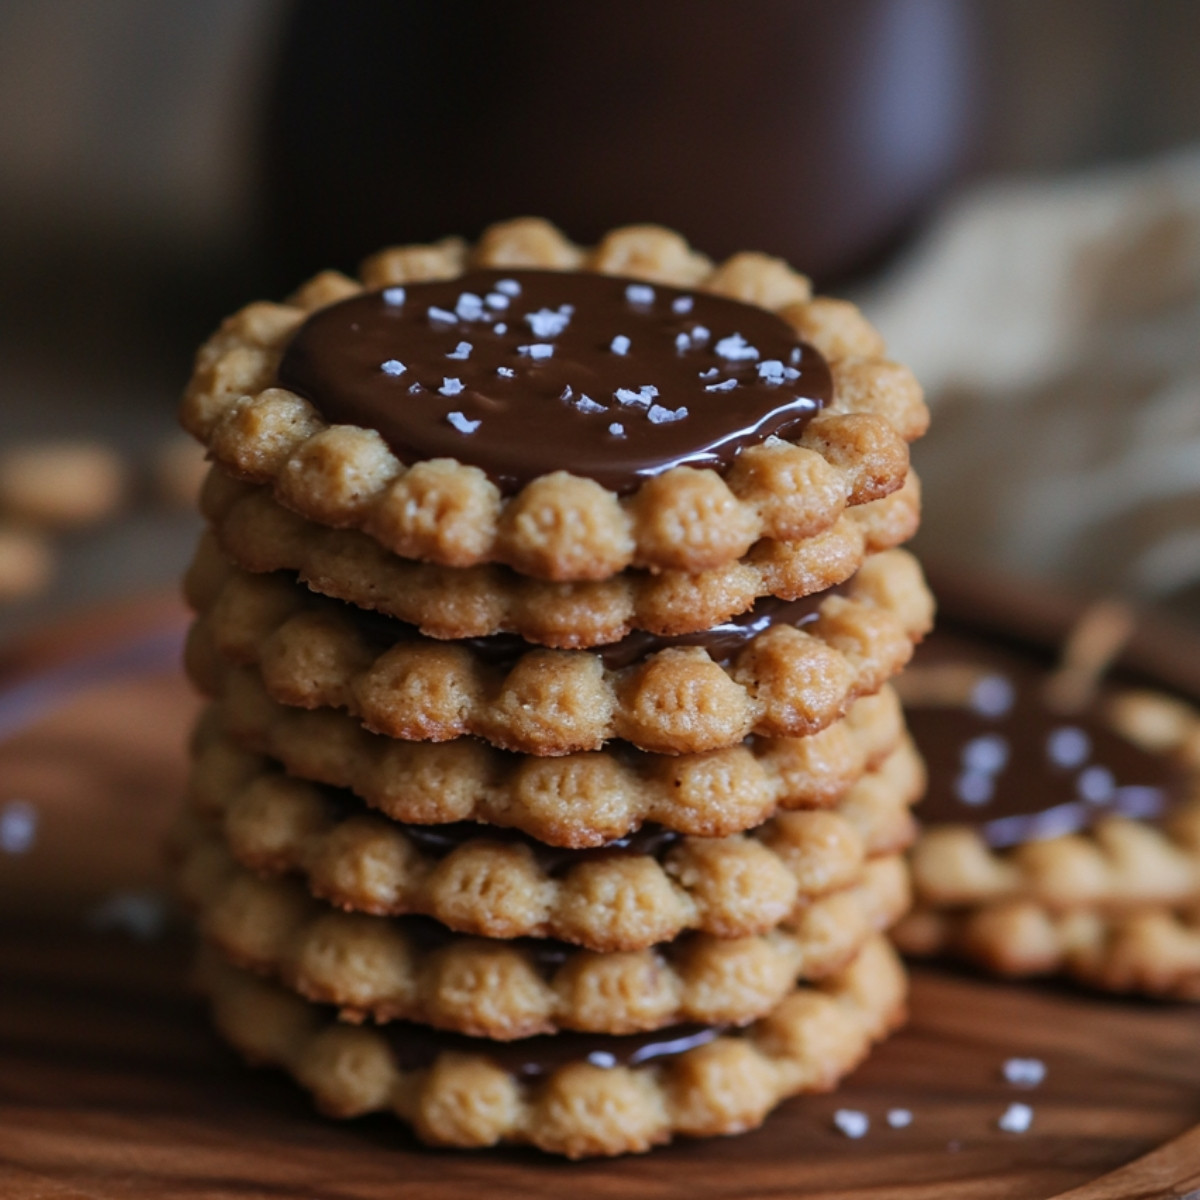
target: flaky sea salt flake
<point>1024,1072</point>
<point>505,372</point>
<point>393,366</point>
<point>461,423</point>
<point>851,1122</point>
<point>771,371</point>
<point>394,296</point>
<point>682,304</point>
<point>735,348</point>
<point>537,350</point>
<point>508,287</point>
<point>617,429</point>
<point>711,373</point>
<point>639,398</point>
<point>546,323</point>
<point>585,404</point>
<point>451,386</point>
<point>700,335</point>
<point>18,827</point>
<point>639,293</point>
<point>726,385</point>
<point>683,343</point>
<point>620,344</point>
<point>441,316</point>
<point>1016,1118</point>
<point>899,1118</point>
<point>664,416</point>
<point>496,300</point>
<point>461,351</point>
<point>469,306</point>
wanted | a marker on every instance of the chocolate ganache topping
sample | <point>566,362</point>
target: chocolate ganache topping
<point>416,1046</point>
<point>1017,771</point>
<point>522,373</point>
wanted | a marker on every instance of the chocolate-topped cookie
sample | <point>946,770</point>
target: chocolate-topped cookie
<point>569,414</point>
<point>1055,837</point>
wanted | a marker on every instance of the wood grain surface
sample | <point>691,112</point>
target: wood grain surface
<point>112,1086</point>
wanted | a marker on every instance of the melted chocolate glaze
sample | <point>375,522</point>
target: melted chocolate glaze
<point>441,840</point>
<point>515,372</point>
<point>502,650</point>
<point>1019,772</point>
<point>416,1046</point>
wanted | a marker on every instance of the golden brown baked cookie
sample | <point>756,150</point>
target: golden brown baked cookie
<point>414,969</point>
<point>615,1097</point>
<point>554,524</point>
<point>1078,845</point>
<point>257,533</point>
<point>481,880</point>
<point>791,678</point>
<point>574,800</point>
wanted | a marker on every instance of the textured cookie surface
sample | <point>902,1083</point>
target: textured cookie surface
<point>786,670</point>
<point>411,968</point>
<point>481,880</point>
<point>560,525</point>
<point>575,800</point>
<point>258,534</point>
<point>456,1093</point>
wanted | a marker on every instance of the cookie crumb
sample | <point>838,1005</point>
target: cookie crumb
<point>852,1123</point>
<point>1016,1118</point>
<point>899,1118</point>
<point>1025,1072</point>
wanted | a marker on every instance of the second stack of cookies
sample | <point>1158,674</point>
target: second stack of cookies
<point>652,791</point>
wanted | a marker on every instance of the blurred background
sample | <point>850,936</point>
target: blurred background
<point>1011,188</point>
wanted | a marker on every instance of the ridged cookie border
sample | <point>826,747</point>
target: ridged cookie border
<point>811,1041</point>
<point>786,682</point>
<point>726,887</point>
<point>371,970</point>
<point>573,801</point>
<point>560,526</point>
<point>258,534</point>
<point>1151,951</point>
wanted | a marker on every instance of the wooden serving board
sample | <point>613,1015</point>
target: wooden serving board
<point>112,1086</point>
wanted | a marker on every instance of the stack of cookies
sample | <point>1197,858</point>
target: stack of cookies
<point>553,789</point>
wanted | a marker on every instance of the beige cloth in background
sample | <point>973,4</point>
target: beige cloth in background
<point>1055,325</point>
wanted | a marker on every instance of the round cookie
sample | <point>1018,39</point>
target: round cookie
<point>567,414</point>
<point>1054,840</point>
<point>579,1096</point>
<point>253,530</point>
<point>477,879</point>
<point>415,969</point>
<point>784,669</point>
<point>573,800</point>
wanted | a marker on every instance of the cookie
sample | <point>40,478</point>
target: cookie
<point>577,1095</point>
<point>648,887</point>
<point>62,485</point>
<point>415,969</point>
<point>784,669</point>
<point>575,800</point>
<point>1055,840</point>
<point>680,419</point>
<point>258,534</point>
